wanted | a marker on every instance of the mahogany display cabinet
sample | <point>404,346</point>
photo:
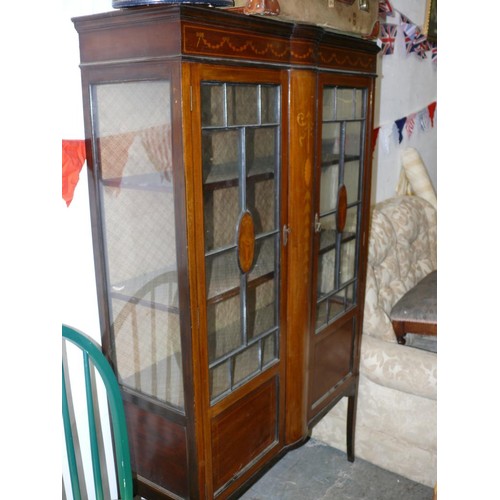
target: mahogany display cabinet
<point>229,167</point>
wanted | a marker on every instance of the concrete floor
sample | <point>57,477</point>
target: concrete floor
<point>316,471</point>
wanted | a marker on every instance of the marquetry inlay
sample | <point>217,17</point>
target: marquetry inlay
<point>246,242</point>
<point>215,42</point>
<point>341,208</point>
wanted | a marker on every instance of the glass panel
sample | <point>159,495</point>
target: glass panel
<point>148,350</point>
<point>351,221</point>
<point>242,104</point>
<point>328,236</point>
<point>359,97</point>
<point>329,188</point>
<point>353,138</point>
<point>260,309</point>
<point>221,155</point>
<point>261,203</point>
<point>221,211</point>
<point>351,180</point>
<point>329,309</point>
<point>269,348</point>
<point>220,379</point>
<point>270,104</point>
<point>328,104</point>
<point>261,147</point>
<point>326,272</point>
<point>347,261</point>
<point>345,104</point>
<point>330,143</point>
<point>264,257</point>
<point>212,105</point>
<point>246,363</point>
<point>133,130</point>
<point>222,273</point>
<point>224,327</point>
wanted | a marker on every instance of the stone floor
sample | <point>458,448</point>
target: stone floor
<point>316,471</point>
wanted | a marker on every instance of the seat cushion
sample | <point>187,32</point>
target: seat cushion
<point>419,304</point>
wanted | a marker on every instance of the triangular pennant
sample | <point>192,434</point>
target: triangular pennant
<point>385,9</point>
<point>73,158</point>
<point>410,124</point>
<point>400,125</point>
<point>432,109</point>
<point>385,135</point>
<point>434,52</point>
<point>374,138</point>
<point>387,38</point>
<point>423,119</point>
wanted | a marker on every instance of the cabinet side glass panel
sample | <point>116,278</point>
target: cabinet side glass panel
<point>341,166</point>
<point>240,162</point>
<point>133,141</point>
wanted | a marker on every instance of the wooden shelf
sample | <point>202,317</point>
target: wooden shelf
<point>144,182</point>
<point>222,176</point>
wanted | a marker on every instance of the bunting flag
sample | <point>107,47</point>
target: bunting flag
<point>73,158</point>
<point>374,138</point>
<point>434,53</point>
<point>405,125</point>
<point>400,125</point>
<point>420,45</point>
<point>387,38</point>
<point>415,41</point>
<point>432,109</point>
<point>410,124</point>
<point>385,134</point>
<point>385,9</point>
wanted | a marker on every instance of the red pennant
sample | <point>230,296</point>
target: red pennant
<point>374,138</point>
<point>432,109</point>
<point>73,158</point>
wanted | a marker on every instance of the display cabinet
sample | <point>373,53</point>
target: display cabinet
<point>229,188</point>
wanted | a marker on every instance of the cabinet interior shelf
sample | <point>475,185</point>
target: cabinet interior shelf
<point>225,175</point>
<point>145,182</point>
<point>328,239</point>
<point>235,290</point>
<point>329,159</point>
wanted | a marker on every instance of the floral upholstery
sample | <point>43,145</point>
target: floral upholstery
<point>396,415</point>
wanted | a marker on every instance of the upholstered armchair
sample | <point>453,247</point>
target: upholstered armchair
<point>396,418</point>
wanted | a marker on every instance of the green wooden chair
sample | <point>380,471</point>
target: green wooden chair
<point>93,357</point>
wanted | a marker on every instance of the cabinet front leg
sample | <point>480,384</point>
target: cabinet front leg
<point>352,402</point>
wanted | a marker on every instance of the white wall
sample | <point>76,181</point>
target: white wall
<point>406,84</point>
<point>79,304</point>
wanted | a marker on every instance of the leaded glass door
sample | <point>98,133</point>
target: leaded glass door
<point>337,228</point>
<point>241,160</point>
<point>240,177</point>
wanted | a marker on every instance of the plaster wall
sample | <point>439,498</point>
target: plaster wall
<point>406,84</point>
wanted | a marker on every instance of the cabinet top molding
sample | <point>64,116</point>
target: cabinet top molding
<point>190,32</point>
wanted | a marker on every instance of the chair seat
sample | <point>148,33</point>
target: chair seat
<point>416,311</point>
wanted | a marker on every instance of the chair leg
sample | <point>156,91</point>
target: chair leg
<point>351,426</point>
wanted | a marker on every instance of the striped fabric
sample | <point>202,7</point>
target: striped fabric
<point>414,178</point>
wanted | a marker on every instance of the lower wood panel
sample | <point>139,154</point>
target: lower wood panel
<point>158,449</point>
<point>244,431</point>
<point>331,360</point>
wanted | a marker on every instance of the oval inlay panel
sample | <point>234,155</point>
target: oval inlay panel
<point>246,242</point>
<point>341,208</point>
